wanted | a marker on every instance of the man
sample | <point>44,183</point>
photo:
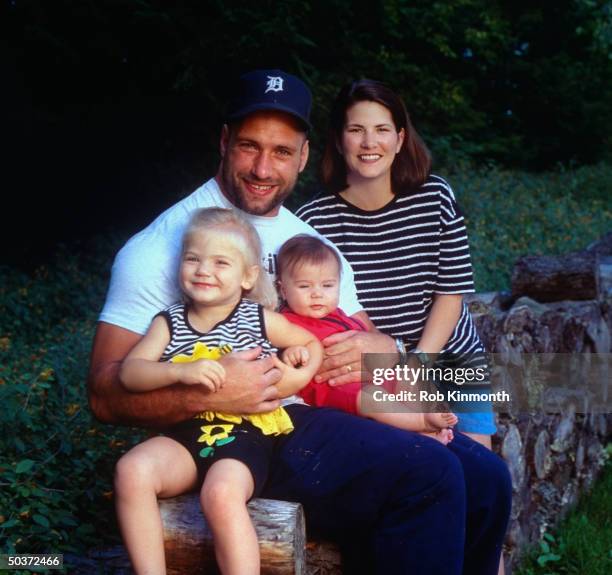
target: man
<point>396,497</point>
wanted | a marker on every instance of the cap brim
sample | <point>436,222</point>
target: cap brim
<point>269,106</point>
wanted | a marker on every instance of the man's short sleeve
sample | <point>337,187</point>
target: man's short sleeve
<point>348,292</point>
<point>289,225</point>
<point>143,282</point>
<point>455,274</point>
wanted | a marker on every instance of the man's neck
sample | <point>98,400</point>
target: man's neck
<point>219,181</point>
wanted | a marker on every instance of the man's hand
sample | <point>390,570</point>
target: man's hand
<point>342,363</point>
<point>249,384</point>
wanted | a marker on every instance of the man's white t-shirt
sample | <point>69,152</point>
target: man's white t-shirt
<point>144,277</point>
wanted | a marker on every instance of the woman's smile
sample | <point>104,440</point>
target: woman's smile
<point>370,142</point>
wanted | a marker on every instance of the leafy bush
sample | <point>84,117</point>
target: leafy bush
<point>134,92</point>
<point>510,214</point>
<point>56,462</point>
<point>510,81</point>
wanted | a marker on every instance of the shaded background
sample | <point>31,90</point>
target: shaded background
<point>121,101</point>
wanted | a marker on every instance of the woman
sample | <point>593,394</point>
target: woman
<point>403,233</point>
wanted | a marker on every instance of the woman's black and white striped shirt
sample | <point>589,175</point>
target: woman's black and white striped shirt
<point>243,329</point>
<point>402,254</point>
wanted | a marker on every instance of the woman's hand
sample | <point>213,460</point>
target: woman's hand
<point>342,361</point>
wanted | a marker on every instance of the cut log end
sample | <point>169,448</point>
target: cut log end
<point>189,547</point>
<point>557,278</point>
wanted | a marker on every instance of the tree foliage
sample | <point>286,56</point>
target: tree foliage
<point>127,96</point>
<point>502,77</point>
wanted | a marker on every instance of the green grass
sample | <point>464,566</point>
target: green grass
<point>56,461</point>
<point>512,214</point>
<point>582,543</point>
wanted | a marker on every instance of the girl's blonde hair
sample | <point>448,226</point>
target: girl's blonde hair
<point>247,238</point>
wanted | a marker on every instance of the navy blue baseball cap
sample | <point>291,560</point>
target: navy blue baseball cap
<point>270,90</point>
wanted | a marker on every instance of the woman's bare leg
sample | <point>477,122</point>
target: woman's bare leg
<point>434,425</point>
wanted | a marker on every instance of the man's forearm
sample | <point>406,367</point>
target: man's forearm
<point>112,403</point>
<point>249,388</point>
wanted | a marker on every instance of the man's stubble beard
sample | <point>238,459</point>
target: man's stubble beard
<point>233,192</point>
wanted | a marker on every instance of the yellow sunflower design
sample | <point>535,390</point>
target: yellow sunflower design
<point>202,351</point>
<point>275,422</point>
<point>215,435</point>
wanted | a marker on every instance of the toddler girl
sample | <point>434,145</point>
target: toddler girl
<point>220,268</point>
<point>309,277</point>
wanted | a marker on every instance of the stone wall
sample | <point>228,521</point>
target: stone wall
<point>553,454</point>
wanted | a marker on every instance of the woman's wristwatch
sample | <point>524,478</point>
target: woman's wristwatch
<point>423,357</point>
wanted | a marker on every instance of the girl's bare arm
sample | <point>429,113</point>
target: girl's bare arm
<point>282,334</point>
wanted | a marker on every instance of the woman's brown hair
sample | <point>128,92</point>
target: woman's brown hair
<point>412,164</point>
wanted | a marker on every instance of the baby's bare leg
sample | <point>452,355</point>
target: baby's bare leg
<point>434,425</point>
<point>444,436</point>
<point>227,488</point>
<point>440,420</point>
<point>439,426</point>
<point>403,420</point>
<point>159,467</point>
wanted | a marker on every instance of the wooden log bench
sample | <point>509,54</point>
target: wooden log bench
<point>280,528</point>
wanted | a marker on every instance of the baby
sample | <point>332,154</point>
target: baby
<point>308,272</point>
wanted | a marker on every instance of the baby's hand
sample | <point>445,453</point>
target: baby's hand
<point>205,372</point>
<point>296,356</point>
